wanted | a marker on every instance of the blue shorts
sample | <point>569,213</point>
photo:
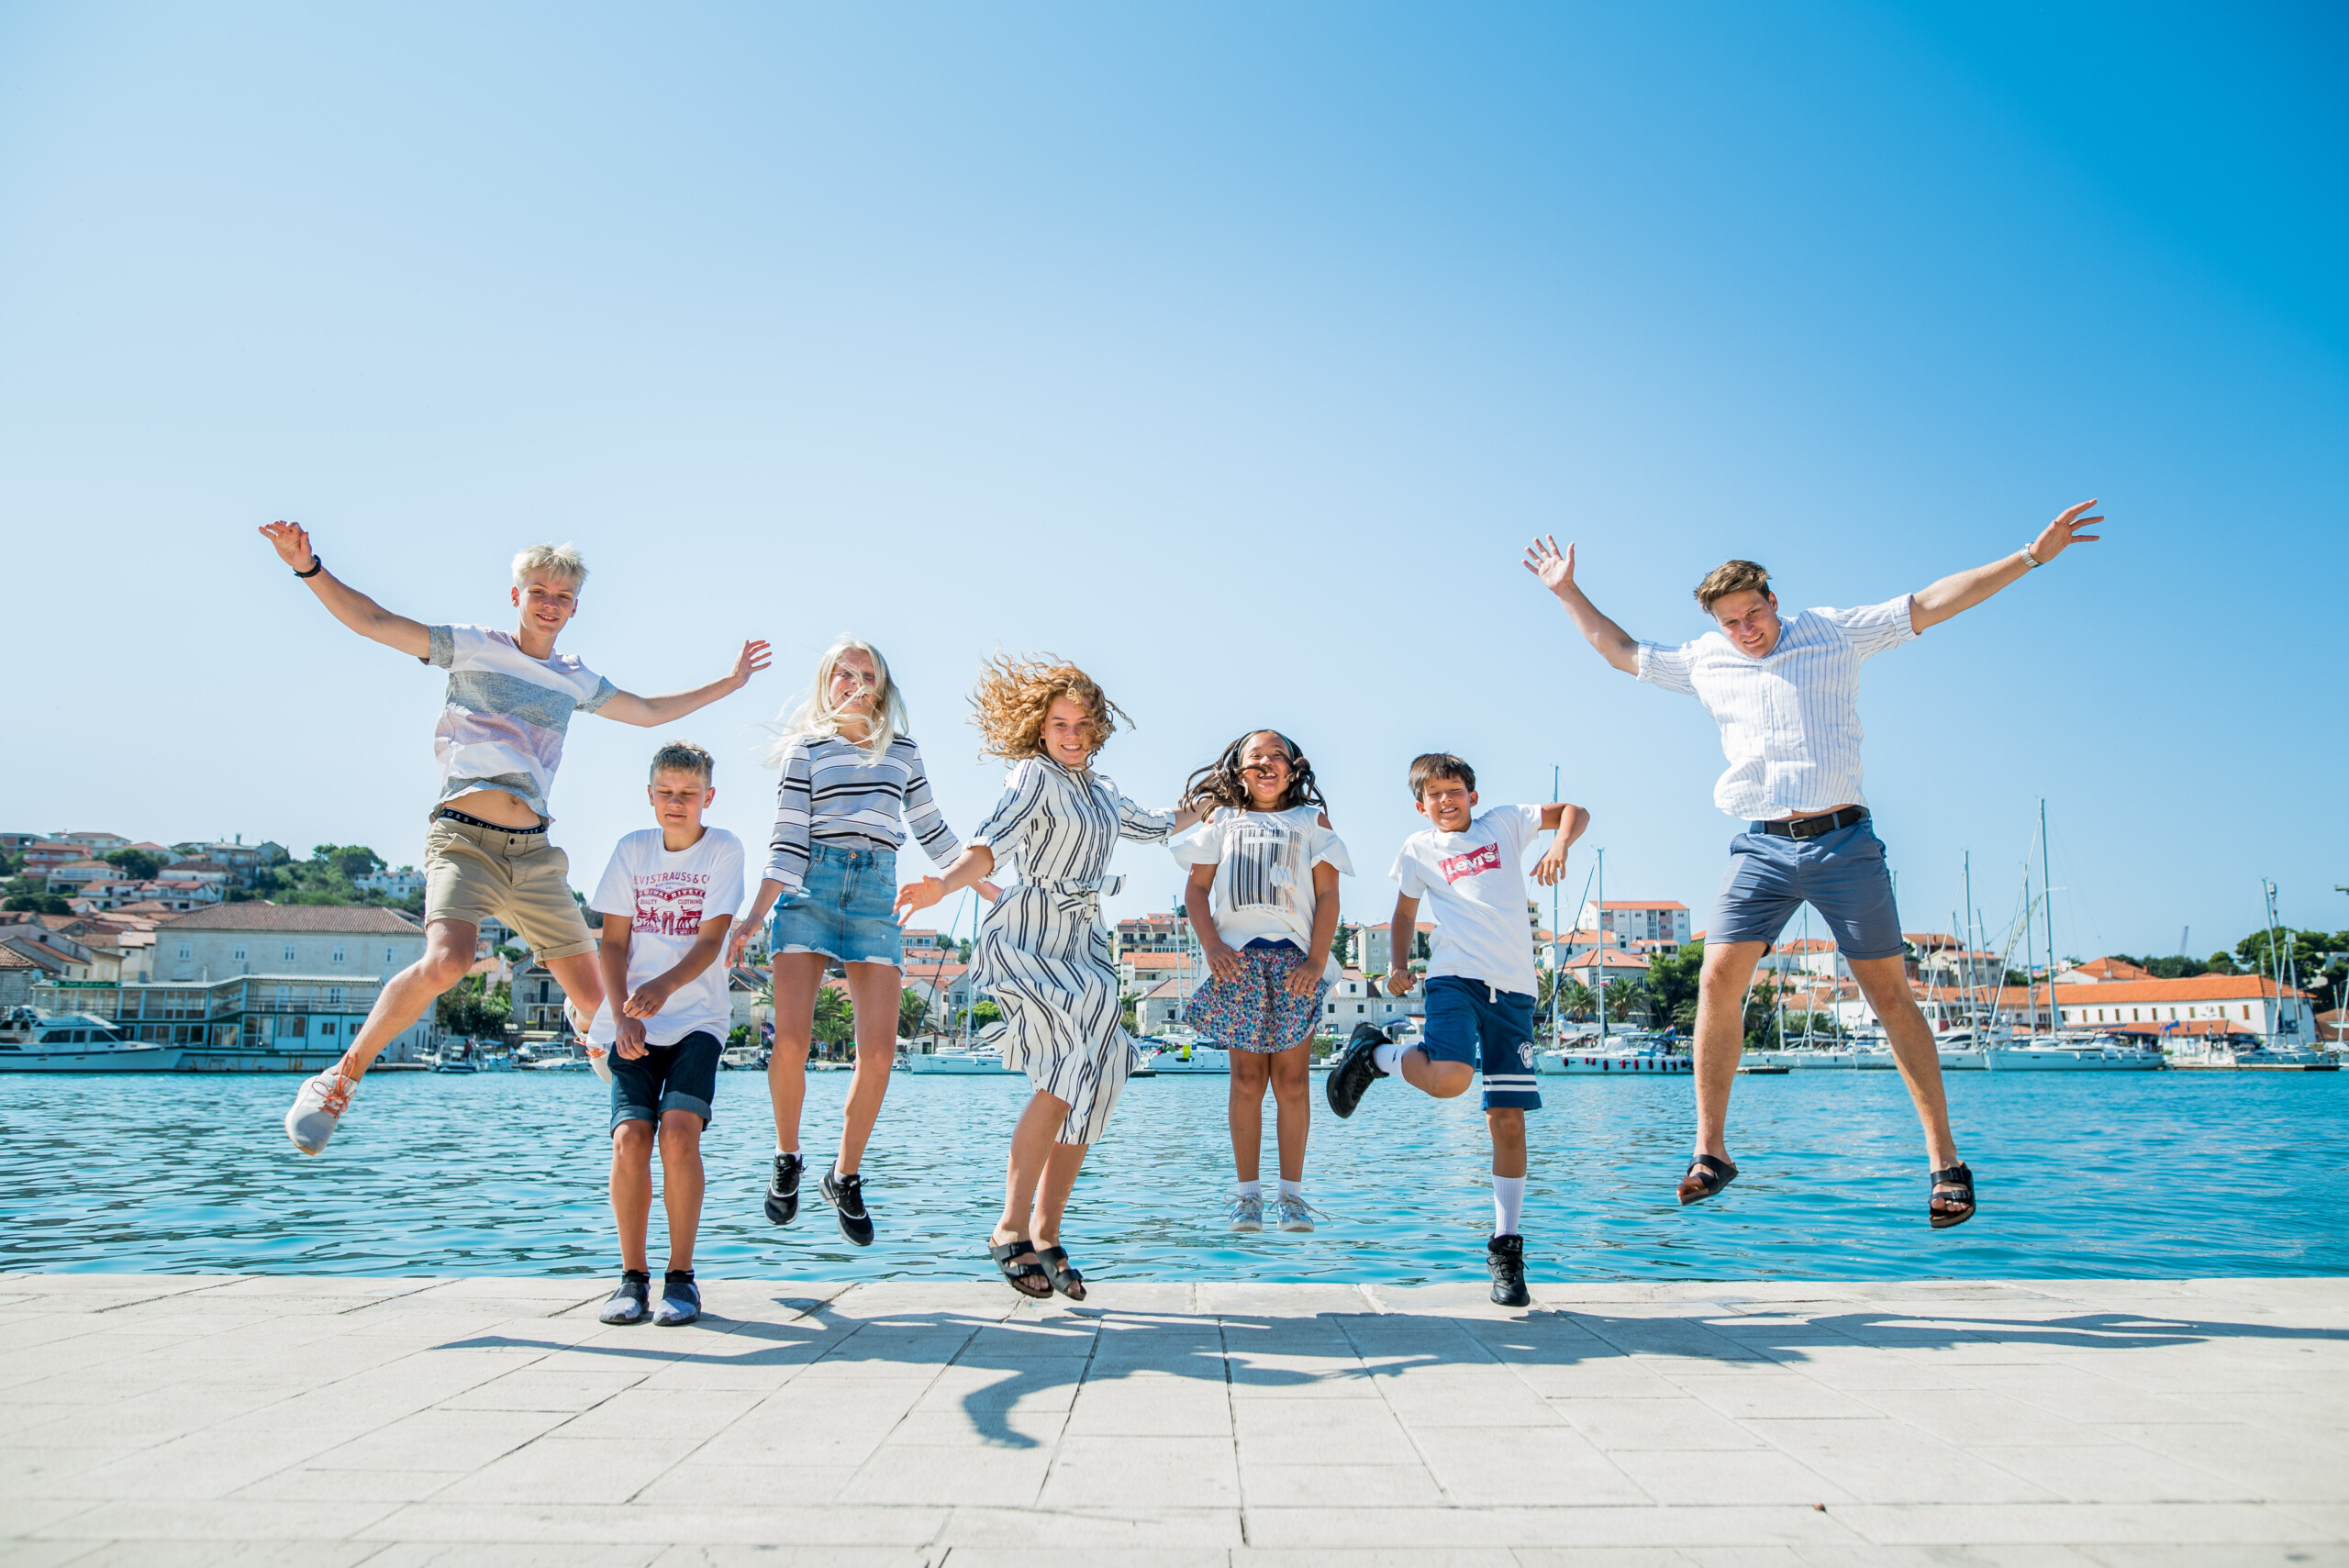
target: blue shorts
<point>680,1077</point>
<point>1840,874</point>
<point>847,909</point>
<point>1466,1015</point>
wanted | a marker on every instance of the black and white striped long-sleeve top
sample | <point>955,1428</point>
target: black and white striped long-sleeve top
<point>836,793</point>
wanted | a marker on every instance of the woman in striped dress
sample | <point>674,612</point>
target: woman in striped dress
<point>852,784</point>
<point>1042,952</point>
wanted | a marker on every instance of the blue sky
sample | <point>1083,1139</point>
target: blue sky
<point>1231,351</point>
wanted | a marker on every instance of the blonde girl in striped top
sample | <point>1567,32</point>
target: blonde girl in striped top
<point>1042,952</point>
<point>852,784</point>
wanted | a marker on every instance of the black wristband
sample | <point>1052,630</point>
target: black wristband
<point>317,564</point>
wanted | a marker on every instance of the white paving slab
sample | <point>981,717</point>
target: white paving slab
<point>1770,1424</point>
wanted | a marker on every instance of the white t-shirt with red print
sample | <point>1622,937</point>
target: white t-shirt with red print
<point>665,897</point>
<point>1473,882</point>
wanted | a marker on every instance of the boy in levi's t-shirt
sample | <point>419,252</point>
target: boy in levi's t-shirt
<point>1480,981</point>
<point>667,899</point>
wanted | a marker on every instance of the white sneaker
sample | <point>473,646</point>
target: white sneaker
<point>1247,1214</point>
<point>599,1057</point>
<point>1291,1214</point>
<point>318,1105</point>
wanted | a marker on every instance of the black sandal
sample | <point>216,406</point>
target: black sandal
<point>1706,1176</point>
<point>1943,1217</point>
<point>1020,1274</point>
<point>1065,1280</point>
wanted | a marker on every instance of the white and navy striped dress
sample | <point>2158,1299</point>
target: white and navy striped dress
<point>1042,951</point>
<point>834,791</point>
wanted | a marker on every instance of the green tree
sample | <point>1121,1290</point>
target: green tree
<point>473,1007</point>
<point>835,1017</point>
<point>984,1013</point>
<point>913,1014</point>
<point>1342,946</point>
<point>137,864</point>
<point>37,903</point>
<point>1671,985</point>
<point>349,862</point>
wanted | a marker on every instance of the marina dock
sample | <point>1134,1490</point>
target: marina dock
<point>350,1419</point>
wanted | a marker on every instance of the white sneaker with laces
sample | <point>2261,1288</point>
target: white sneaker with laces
<point>317,1109</point>
<point>599,1057</point>
<point>1247,1213</point>
<point>1291,1214</point>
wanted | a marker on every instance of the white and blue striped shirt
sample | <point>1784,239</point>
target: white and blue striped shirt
<point>1790,721</point>
<point>836,793</point>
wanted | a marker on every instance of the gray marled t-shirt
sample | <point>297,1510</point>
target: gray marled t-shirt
<point>502,723</point>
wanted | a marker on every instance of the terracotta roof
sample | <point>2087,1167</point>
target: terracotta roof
<point>11,959</point>
<point>1633,903</point>
<point>2200,988</point>
<point>257,916</point>
<point>1153,960</point>
<point>2108,969</point>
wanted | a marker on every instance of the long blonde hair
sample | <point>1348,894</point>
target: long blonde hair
<point>813,715</point>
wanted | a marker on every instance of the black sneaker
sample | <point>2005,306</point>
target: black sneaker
<point>782,1188</point>
<point>627,1305</point>
<point>1505,1261</point>
<point>846,1195</point>
<point>1355,1071</point>
<point>680,1299</point>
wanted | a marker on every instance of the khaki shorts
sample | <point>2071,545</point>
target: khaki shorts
<point>479,874</point>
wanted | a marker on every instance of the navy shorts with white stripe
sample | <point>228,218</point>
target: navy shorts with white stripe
<point>1466,1015</point>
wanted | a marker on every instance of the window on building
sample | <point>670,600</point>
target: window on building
<point>186,951</point>
<point>337,955</point>
<point>289,952</point>
<point>334,999</point>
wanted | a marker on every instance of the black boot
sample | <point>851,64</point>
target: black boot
<point>1505,1261</point>
<point>1355,1070</point>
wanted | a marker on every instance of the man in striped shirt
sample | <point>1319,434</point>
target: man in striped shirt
<point>1785,691</point>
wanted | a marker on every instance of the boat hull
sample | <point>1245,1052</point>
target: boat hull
<point>2020,1061</point>
<point>140,1058</point>
<point>1578,1063</point>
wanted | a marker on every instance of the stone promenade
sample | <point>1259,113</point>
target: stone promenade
<point>330,1421</point>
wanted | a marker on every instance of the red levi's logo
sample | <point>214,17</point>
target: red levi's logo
<point>1483,858</point>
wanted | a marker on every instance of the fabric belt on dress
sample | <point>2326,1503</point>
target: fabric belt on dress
<point>1814,827</point>
<point>1081,895</point>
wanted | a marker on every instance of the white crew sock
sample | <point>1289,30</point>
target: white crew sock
<point>1509,1202</point>
<point>780,1150</point>
<point>1292,1189</point>
<point>1388,1058</point>
<point>1250,1189</point>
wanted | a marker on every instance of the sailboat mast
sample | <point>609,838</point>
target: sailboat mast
<point>1599,965</point>
<point>2047,892</point>
<point>1972,975</point>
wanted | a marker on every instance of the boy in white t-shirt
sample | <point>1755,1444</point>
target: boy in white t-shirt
<point>1480,981</point>
<point>667,898</point>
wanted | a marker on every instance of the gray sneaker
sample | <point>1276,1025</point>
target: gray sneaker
<point>1290,1213</point>
<point>1247,1214</point>
<point>317,1109</point>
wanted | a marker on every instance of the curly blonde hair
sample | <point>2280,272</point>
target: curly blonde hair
<point>1012,696</point>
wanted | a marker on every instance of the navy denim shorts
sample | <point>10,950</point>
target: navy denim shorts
<point>1470,1021</point>
<point>846,909</point>
<point>1840,874</point>
<point>679,1077</point>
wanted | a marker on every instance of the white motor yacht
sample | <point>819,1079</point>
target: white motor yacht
<point>76,1042</point>
<point>2047,1053</point>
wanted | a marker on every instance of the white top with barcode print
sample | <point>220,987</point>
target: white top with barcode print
<point>836,793</point>
<point>1263,880</point>
<point>1790,721</point>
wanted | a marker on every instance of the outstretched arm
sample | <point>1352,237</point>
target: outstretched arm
<point>647,712</point>
<point>1963,590</point>
<point>1569,821</point>
<point>345,603</point>
<point>1556,570</point>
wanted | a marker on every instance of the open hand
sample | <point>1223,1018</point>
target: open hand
<point>2065,530</point>
<point>915,896</point>
<point>1545,559</point>
<point>739,938</point>
<point>1552,865</point>
<point>1304,978</point>
<point>752,658</point>
<point>293,543</point>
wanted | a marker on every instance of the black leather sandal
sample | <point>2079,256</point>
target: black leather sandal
<point>1065,1278</point>
<point>1942,1211</point>
<point>1029,1278</point>
<point>1705,1177</point>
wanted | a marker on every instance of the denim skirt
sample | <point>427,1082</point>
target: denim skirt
<point>846,909</point>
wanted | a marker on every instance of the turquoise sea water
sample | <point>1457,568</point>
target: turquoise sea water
<point>2149,1175</point>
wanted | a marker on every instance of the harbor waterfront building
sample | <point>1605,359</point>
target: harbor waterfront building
<point>1665,923</point>
<point>331,941</point>
<point>249,1023</point>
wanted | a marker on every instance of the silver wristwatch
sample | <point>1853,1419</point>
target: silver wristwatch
<point>2035,562</point>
